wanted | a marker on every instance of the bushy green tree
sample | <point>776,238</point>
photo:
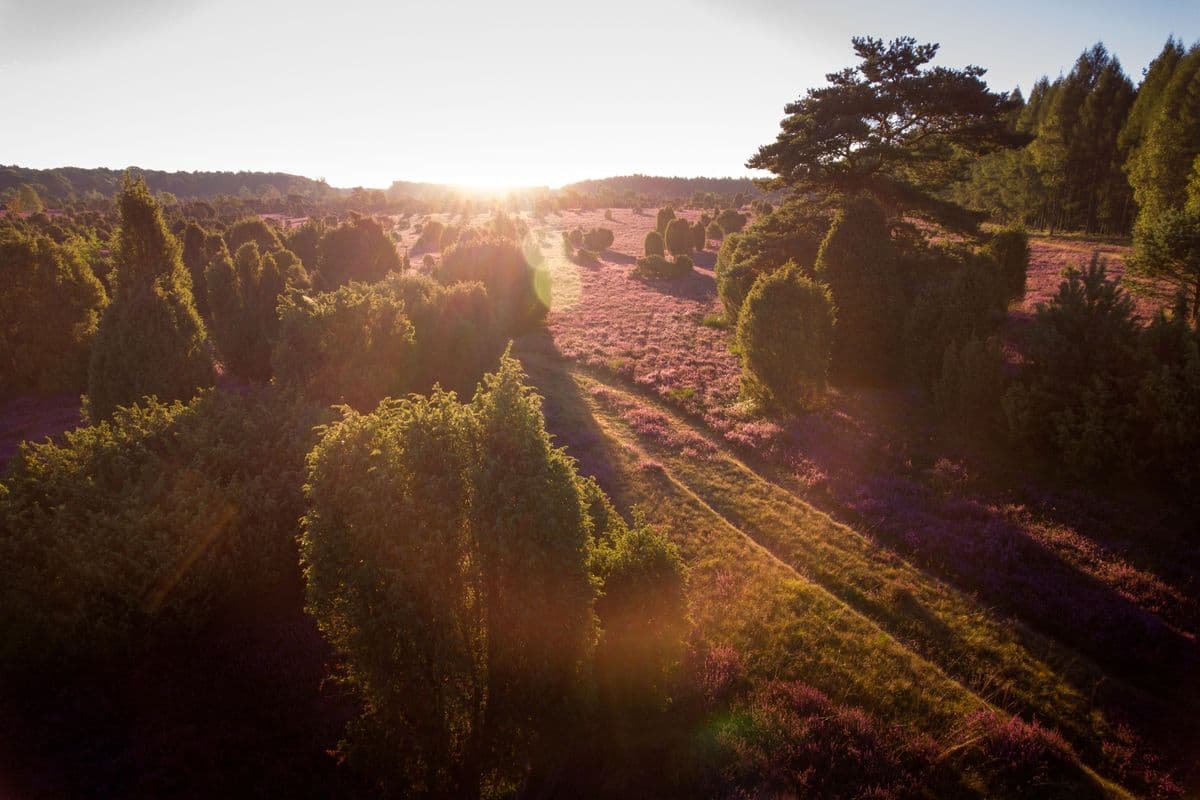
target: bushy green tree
<point>858,262</point>
<point>50,306</point>
<point>678,237</point>
<point>665,215</point>
<point>446,554</point>
<point>354,346</point>
<point>731,221</point>
<point>1073,403</point>
<point>357,250</point>
<point>1168,399</point>
<point>150,340</point>
<point>149,521</point>
<point>243,294</point>
<point>516,278</point>
<point>598,239</point>
<point>1010,249</point>
<point>26,200</point>
<point>654,245</point>
<point>196,255</point>
<point>1166,256</point>
<point>252,229</point>
<point>1162,166</point>
<point>785,334</point>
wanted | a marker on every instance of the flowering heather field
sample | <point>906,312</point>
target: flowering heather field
<point>1066,562</point>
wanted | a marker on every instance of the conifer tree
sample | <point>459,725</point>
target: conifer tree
<point>858,262</point>
<point>151,340</point>
<point>1161,171</point>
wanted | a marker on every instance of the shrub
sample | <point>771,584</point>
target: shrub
<point>967,304</point>
<point>50,306</point>
<point>1019,759</point>
<point>784,335</point>
<point>445,551</point>
<point>967,392</point>
<point>1168,400</point>
<point>662,267</point>
<point>304,241</point>
<point>598,239</point>
<point>585,257</point>
<point>516,279</point>
<point>654,245</point>
<point>150,340</point>
<point>664,217</point>
<point>698,236</point>
<point>243,294</point>
<point>1010,249</point>
<point>449,237</point>
<point>252,229</point>
<point>148,521</point>
<point>1074,399</point>
<point>351,346</point>
<point>431,234</point>
<point>428,262</point>
<point>575,237</point>
<point>731,221</point>
<point>858,262</point>
<point>678,237</point>
<point>357,250</point>
<point>714,231</point>
<point>608,215</point>
<point>643,610</point>
<point>196,253</point>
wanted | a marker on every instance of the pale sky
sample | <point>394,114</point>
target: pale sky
<point>518,92</point>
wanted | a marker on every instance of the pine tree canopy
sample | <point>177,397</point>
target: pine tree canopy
<point>890,127</point>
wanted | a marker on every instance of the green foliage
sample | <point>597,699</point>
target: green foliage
<point>654,267</point>
<point>431,234</point>
<point>1010,249</point>
<point>243,295</point>
<point>449,236</point>
<point>1168,399</point>
<point>665,215</point>
<point>351,346</point>
<point>678,237</point>
<point>575,237</point>
<point>150,340</point>
<point>731,221</point>
<point>1166,256</point>
<point>714,231</point>
<point>598,239</point>
<point>252,229</point>
<point>148,521</point>
<point>50,306</point>
<point>699,239</point>
<point>887,127</point>
<point>357,250</point>
<point>643,610</point>
<point>1073,402</point>
<point>516,278</point>
<point>969,304</point>
<point>784,334</point>
<point>858,262</point>
<point>967,391</point>
<point>26,200</point>
<point>304,241</point>
<point>654,245</point>
<point>195,253</point>
<point>446,552</point>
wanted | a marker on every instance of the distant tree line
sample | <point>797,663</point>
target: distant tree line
<point>1102,154</point>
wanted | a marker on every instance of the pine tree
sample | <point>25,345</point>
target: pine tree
<point>150,340</point>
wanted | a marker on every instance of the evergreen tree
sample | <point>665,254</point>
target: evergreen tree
<point>1149,96</point>
<point>1166,257</point>
<point>1162,168</point>
<point>858,262</point>
<point>244,292</point>
<point>150,340</point>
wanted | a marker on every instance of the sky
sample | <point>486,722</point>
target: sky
<point>489,94</point>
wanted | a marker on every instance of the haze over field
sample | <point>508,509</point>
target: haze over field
<point>530,92</point>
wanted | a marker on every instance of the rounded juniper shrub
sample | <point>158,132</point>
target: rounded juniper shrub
<point>699,239</point>
<point>252,229</point>
<point>731,221</point>
<point>785,334</point>
<point>243,294</point>
<point>357,250</point>
<point>598,239</point>
<point>517,280</point>
<point>714,231</point>
<point>664,217</point>
<point>449,236</point>
<point>678,237</point>
<point>149,520</point>
<point>428,262</point>
<point>663,267</point>
<point>351,346</point>
<point>50,306</point>
<point>431,234</point>
<point>150,339</point>
<point>790,740</point>
<point>858,262</point>
<point>575,237</point>
<point>1010,248</point>
<point>654,244</point>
